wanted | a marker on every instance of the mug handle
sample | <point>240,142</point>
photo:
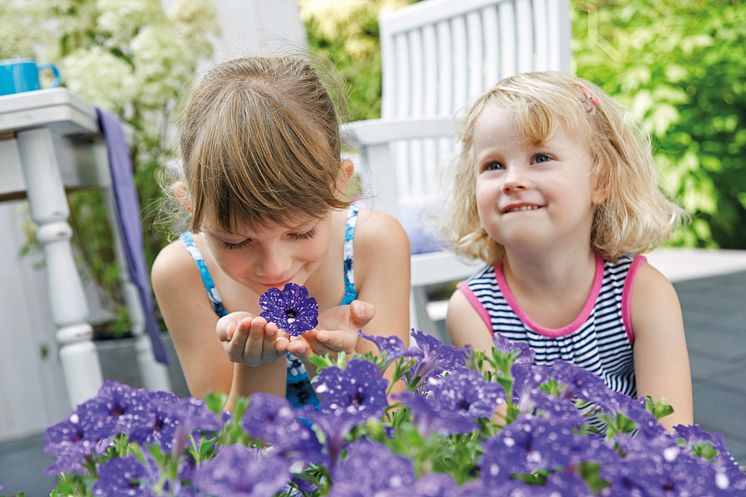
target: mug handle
<point>48,66</point>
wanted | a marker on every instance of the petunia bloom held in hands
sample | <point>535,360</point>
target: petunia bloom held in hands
<point>291,309</point>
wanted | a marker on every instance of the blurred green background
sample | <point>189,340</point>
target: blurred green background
<point>679,66</point>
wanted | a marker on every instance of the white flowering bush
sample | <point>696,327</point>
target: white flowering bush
<point>130,57</point>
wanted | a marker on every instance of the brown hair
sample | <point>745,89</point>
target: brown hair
<point>633,215</point>
<point>259,144</point>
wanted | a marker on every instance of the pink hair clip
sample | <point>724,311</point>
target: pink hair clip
<point>589,97</point>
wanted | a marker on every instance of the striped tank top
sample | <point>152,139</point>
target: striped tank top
<point>599,339</point>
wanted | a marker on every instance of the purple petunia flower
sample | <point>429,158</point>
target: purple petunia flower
<point>240,471</point>
<point>392,346</point>
<point>530,444</point>
<point>371,469</point>
<point>349,397</point>
<point>116,408</point>
<point>291,309</point>
<point>450,404</point>
<point>436,356</point>
<point>125,477</point>
<point>274,420</point>
<point>66,441</point>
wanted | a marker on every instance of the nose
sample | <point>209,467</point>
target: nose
<point>514,180</point>
<point>272,265</point>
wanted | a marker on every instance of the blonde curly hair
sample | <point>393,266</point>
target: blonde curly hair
<point>634,215</point>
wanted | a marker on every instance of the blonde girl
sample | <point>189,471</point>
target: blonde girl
<point>265,187</point>
<point>556,192</point>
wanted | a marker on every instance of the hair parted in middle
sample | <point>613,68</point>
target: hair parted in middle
<point>260,144</point>
<point>633,215</point>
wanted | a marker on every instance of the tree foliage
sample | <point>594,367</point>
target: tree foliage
<point>678,66</point>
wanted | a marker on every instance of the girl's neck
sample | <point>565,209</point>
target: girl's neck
<point>553,273</point>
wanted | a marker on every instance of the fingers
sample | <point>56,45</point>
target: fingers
<point>252,340</point>
<point>361,313</point>
<point>226,326</point>
<point>299,346</point>
<point>336,341</point>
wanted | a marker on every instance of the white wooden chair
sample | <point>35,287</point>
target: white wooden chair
<point>437,57</point>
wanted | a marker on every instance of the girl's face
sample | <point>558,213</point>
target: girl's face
<point>273,256</point>
<point>531,196</point>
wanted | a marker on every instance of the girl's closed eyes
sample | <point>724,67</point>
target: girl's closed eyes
<point>304,235</point>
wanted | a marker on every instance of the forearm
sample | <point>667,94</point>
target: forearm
<point>269,378</point>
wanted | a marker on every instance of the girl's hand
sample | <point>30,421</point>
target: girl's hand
<point>248,339</point>
<point>337,331</point>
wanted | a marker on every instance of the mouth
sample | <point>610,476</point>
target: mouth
<point>520,207</point>
<point>280,284</point>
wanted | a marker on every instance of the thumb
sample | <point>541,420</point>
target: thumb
<point>361,313</point>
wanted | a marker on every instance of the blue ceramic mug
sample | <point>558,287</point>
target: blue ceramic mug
<point>19,75</point>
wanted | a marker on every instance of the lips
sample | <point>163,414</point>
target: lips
<point>520,207</point>
<point>279,284</point>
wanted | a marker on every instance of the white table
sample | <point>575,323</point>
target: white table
<point>50,141</point>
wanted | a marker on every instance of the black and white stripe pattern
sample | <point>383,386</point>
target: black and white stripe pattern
<point>599,345</point>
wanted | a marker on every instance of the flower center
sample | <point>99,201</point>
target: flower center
<point>291,314</point>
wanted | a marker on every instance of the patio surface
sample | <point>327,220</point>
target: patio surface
<point>712,289</point>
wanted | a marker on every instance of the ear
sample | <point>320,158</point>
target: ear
<point>346,170</point>
<point>600,190</point>
<point>180,192</point>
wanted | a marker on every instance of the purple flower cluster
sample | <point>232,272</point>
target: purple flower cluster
<point>145,417</point>
<point>442,440</point>
<point>291,309</point>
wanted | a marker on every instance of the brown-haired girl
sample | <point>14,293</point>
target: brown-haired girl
<point>265,186</point>
<point>556,192</point>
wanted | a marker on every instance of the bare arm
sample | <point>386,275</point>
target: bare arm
<point>465,327</point>
<point>382,276</point>
<point>660,353</point>
<point>192,322</point>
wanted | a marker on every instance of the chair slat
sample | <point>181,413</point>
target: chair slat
<point>445,69</point>
<point>431,84</point>
<point>540,18</point>
<point>403,78</point>
<point>490,28</point>
<point>524,36</point>
<point>460,68</point>
<point>506,15</point>
<point>475,55</point>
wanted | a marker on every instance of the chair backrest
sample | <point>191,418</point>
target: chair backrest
<point>439,55</point>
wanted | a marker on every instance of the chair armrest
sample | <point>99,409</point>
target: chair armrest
<point>384,131</point>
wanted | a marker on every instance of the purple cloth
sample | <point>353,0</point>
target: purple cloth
<point>128,222</point>
<point>421,239</point>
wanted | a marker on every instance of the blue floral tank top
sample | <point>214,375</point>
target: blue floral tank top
<point>299,391</point>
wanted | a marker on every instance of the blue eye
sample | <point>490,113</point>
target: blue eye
<point>492,166</point>
<point>539,158</point>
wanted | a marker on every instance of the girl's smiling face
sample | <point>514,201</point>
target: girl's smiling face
<point>531,195</point>
<point>269,257</point>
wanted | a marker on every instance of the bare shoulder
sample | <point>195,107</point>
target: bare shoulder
<point>172,267</point>
<point>465,326</point>
<point>379,235</point>
<point>653,297</point>
<point>650,286</point>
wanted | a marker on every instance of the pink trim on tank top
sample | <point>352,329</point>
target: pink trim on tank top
<point>627,296</point>
<point>553,332</point>
<point>476,304</point>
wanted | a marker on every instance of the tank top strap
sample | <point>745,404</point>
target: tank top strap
<point>349,274</point>
<point>212,293</point>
